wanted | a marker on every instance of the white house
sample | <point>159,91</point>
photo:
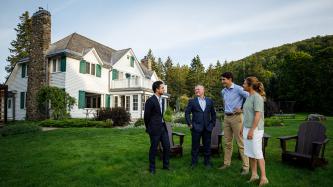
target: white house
<point>94,74</point>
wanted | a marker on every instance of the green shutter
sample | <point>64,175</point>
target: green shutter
<point>132,61</point>
<point>107,101</point>
<point>63,64</point>
<point>24,67</point>
<point>22,100</point>
<point>98,70</point>
<point>114,74</point>
<point>82,99</point>
<point>83,66</point>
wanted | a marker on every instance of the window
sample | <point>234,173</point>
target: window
<point>132,61</point>
<point>127,103</point>
<point>9,103</point>
<point>92,69</point>
<point>115,101</point>
<point>58,65</point>
<point>22,100</point>
<point>144,99</point>
<point>54,65</point>
<point>143,102</point>
<point>87,68</point>
<point>135,102</point>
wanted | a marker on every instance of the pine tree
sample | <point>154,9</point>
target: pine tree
<point>156,66</point>
<point>20,47</point>
<point>167,69</point>
<point>196,75</point>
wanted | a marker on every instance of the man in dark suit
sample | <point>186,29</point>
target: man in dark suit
<point>201,125</point>
<point>156,127</point>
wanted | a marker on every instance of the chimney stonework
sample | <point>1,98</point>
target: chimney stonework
<point>37,67</point>
<point>147,62</point>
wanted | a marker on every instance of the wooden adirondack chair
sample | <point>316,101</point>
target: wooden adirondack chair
<point>216,139</point>
<point>175,149</point>
<point>310,145</point>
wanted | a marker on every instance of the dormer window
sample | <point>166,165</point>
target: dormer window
<point>132,61</point>
<point>58,64</point>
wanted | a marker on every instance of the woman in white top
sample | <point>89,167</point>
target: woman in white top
<point>253,127</point>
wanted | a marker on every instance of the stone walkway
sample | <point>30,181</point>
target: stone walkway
<point>48,128</point>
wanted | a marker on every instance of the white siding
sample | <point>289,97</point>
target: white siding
<point>124,65</point>
<point>57,78</point>
<point>17,84</point>
<point>76,81</point>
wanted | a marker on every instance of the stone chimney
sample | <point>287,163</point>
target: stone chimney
<point>147,62</point>
<point>37,66</point>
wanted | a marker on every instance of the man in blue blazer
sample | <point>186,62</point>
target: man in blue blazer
<point>201,125</point>
<point>155,126</point>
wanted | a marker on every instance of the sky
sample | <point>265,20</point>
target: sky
<point>214,30</point>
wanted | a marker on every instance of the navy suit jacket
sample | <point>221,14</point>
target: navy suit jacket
<point>200,119</point>
<point>153,116</point>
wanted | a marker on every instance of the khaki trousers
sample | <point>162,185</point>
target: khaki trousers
<point>232,126</point>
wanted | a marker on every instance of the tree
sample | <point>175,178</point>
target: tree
<point>156,66</point>
<point>167,69</point>
<point>60,101</point>
<point>196,75</point>
<point>21,45</point>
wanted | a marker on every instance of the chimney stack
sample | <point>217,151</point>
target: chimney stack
<point>37,66</point>
<point>147,62</point>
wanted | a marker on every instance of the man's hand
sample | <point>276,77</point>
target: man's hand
<point>238,111</point>
<point>190,126</point>
<point>250,134</point>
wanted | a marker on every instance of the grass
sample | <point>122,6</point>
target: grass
<point>119,157</point>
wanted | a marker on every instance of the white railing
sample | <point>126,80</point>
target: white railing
<point>133,83</point>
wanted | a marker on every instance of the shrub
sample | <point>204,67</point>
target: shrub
<point>168,115</point>
<point>269,122</point>
<point>139,122</point>
<point>180,120</point>
<point>59,100</point>
<point>103,114</point>
<point>19,129</point>
<point>72,123</point>
<point>119,116</point>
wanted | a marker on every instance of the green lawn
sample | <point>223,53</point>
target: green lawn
<point>119,157</point>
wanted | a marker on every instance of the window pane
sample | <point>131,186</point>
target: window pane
<point>127,103</point>
<point>115,101</point>
<point>93,69</point>
<point>58,65</point>
<point>135,102</point>
<point>54,65</point>
<point>88,68</point>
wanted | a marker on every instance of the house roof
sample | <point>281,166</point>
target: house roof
<point>148,73</point>
<point>116,55</point>
<point>78,44</point>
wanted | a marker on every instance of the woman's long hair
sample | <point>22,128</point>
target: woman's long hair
<point>256,85</point>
